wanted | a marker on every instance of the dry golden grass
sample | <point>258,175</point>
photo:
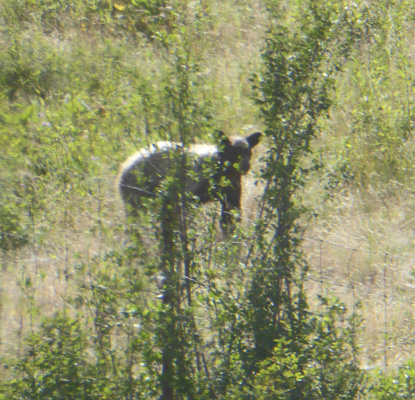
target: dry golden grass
<point>361,249</point>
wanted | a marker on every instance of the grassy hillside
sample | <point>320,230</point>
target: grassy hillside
<point>84,84</point>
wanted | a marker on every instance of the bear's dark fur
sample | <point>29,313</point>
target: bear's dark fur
<point>143,172</point>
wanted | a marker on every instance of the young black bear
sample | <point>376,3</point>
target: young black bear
<point>142,173</point>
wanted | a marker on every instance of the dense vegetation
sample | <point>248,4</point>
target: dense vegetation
<point>97,306</point>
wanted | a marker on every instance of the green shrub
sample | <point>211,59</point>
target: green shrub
<point>57,363</point>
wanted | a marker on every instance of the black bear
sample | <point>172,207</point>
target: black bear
<point>142,173</point>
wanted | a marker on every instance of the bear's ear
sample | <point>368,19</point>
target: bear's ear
<point>223,139</point>
<point>253,139</point>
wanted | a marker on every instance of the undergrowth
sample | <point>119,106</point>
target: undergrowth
<point>84,84</point>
